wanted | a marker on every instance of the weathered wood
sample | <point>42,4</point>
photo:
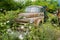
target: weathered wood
<point>37,21</point>
<point>30,15</point>
<point>58,15</point>
<point>28,19</point>
<point>34,18</point>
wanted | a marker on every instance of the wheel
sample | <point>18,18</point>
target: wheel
<point>37,22</point>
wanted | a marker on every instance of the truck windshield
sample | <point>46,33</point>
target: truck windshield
<point>33,9</point>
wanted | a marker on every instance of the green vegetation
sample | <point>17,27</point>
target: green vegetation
<point>49,30</point>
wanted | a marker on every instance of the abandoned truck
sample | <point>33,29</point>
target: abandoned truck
<point>33,14</point>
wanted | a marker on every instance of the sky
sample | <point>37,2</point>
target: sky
<point>34,0</point>
<point>59,2</point>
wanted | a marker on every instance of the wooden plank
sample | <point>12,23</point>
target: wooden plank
<point>34,18</point>
<point>28,19</point>
<point>30,15</point>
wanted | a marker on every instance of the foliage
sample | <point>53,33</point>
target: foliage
<point>13,5</point>
<point>46,31</point>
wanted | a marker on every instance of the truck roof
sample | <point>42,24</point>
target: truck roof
<point>34,9</point>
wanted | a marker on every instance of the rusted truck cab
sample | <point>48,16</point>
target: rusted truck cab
<point>33,14</point>
<point>58,15</point>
